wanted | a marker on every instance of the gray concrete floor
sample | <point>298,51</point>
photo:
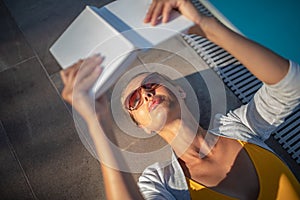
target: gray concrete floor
<point>40,152</point>
<point>41,155</point>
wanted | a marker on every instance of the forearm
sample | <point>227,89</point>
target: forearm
<point>118,185</point>
<point>262,62</point>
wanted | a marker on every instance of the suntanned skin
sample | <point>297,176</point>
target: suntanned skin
<point>223,168</point>
<point>217,169</point>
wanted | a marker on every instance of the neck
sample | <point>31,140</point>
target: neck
<point>188,139</point>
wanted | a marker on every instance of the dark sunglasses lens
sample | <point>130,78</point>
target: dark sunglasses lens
<point>150,86</point>
<point>151,82</point>
<point>134,100</point>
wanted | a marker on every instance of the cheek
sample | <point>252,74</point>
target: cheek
<point>142,117</point>
<point>153,121</point>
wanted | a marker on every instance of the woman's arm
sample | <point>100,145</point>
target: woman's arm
<point>262,62</point>
<point>78,80</point>
<point>118,184</point>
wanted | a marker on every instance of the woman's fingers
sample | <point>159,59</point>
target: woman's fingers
<point>150,12</point>
<point>63,76</point>
<point>88,66</point>
<point>68,78</point>
<point>166,13</point>
<point>78,80</point>
<point>159,9</point>
<point>156,10</point>
<point>71,71</point>
<point>67,93</point>
<point>84,72</point>
<point>90,80</point>
<point>163,8</point>
<point>156,13</point>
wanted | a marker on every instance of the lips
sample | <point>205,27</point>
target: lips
<point>156,100</point>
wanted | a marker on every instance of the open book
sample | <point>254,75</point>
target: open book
<point>117,32</point>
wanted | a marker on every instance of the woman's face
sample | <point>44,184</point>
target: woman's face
<point>150,102</point>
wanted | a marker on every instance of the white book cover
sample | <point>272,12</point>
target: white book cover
<point>115,31</point>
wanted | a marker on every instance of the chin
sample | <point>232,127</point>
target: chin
<point>160,116</point>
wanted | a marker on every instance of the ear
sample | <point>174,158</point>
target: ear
<point>182,93</point>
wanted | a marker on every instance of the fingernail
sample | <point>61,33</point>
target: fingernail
<point>98,69</point>
<point>99,58</point>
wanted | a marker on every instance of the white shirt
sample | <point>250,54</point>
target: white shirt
<point>253,122</point>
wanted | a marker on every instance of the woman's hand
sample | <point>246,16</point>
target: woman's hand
<point>163,8</point>
<point>78,80</point>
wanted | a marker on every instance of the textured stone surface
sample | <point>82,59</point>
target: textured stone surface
<point>13,45</point>
<point>42,22</point>
<point>42,133</point>
<point>41,155</point>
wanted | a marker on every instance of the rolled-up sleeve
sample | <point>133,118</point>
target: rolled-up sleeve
<point>152,187</point>
<point>255,121</point>
<point>272,104</point>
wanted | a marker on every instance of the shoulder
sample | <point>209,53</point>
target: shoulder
<point>163,181</point>
<point>156,173</point>
<point>152,182</point>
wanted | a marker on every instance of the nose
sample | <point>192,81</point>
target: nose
<point>147,95</point>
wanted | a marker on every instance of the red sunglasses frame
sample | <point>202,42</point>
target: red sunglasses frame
<point>150,83</point>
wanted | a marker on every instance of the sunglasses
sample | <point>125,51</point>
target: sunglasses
<point>149,84</point>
